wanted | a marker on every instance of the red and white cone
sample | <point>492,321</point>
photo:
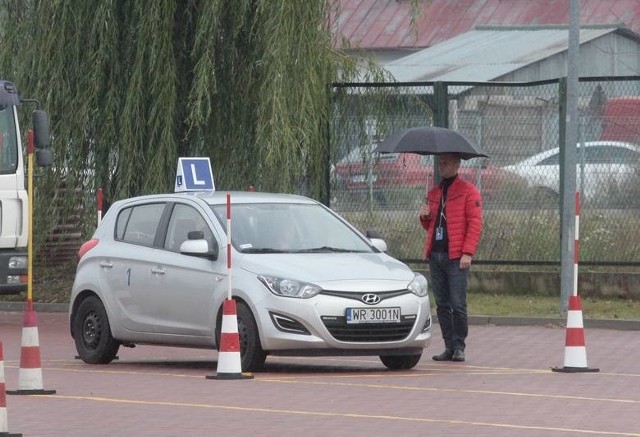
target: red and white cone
<point>4,425</point>
<point>30,373</point>
<point>575,352</point>
<point>229,362</point>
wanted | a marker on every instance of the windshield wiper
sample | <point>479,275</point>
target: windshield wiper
<point>329,249</point>
<point>263,250</point>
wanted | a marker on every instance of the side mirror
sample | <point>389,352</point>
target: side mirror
<point>376,240</point>
<point>44,158</point>
<point>40,121</point>
<point>196,245</point>
<point>379,244</point>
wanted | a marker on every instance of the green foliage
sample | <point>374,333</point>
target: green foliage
<point>132,85</point>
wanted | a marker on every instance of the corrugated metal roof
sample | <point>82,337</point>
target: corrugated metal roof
<point>380,24</point>
<point>486,54</point>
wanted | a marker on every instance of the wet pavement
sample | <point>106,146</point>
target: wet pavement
<point>505,388</point>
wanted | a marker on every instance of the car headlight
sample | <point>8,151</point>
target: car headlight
<point>289,287</point>
<point>419,286</point>
<point>18,262</point>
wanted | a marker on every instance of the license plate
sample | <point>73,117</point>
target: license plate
<point>373,315</point>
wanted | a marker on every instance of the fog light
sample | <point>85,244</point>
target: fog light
<point>14,279</point>
<point>18,262</point>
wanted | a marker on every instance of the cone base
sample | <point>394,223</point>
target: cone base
<point>231,376</point>
<point>568,369</point>
<point>31,392</point>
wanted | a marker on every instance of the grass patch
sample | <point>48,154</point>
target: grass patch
<point>480,304</point>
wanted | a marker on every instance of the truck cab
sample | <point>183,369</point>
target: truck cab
<point>14,219</point>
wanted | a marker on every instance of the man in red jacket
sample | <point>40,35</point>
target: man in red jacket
<point>452,217</point>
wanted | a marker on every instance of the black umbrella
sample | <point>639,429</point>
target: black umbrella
<point>430,140</point>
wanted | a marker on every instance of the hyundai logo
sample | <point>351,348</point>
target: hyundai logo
<point>371,299</point>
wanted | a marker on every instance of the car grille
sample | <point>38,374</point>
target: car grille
<point>358,295</point>
<point>368,332</point>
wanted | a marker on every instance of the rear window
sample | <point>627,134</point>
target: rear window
<point>138,224</point>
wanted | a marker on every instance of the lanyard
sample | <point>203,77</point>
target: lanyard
<point>443,202</point>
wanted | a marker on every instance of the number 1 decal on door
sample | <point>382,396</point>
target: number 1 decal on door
<point>129,277</point>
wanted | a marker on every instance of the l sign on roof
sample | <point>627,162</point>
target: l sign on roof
<point>194,174</point>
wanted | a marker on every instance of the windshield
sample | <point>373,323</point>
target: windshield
<point>288,228</point>
<point>8,146</point>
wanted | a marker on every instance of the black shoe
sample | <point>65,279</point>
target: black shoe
<point>444,356</point>
<point>458,355</point>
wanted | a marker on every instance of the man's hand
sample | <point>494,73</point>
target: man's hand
<point>425,212</point>
<point>465,262</point>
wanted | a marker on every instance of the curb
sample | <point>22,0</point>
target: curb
<point>622,325</point>
<point>38,306</point>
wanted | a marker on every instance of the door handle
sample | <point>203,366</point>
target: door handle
<point>106,264</point>
<point>157,270</point>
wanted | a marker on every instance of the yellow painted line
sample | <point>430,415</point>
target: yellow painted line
<point>334,415</point>
<point>449,390</point>
<point>308,380</point>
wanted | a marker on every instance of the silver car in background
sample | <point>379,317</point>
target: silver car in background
<point>305,281</point>
<point>603,168</point>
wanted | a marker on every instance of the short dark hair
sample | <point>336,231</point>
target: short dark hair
<point>453,154</point>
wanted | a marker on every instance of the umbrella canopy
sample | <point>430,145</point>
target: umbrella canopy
<point>430,140</point>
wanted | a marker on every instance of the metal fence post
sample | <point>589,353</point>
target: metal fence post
<point>440,117</point>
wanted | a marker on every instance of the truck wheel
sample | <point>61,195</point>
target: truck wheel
<point>92,333</point>
<point>400,362</point>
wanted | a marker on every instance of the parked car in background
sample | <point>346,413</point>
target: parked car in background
<point>604,169</point>
<point>306,282</point>
<point>362,169</point>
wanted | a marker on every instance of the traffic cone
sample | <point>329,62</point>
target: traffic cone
<point>4,426</point>
<point>30,373</point>
<point>575,352</point>
<point>229,362</point>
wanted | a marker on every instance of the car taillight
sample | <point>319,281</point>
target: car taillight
<point>86,247</point>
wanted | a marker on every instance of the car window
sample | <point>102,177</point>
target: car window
<point>138,224</point>
<point>551,160</point>
<point>185,219</point>
<point>285,227</point>
<point>610,155</point>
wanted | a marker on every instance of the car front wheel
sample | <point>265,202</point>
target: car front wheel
<point>252,357</point>
<point>92,333</point>
<point>400,362</point>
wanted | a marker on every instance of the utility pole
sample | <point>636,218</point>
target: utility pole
<point>568,208</point>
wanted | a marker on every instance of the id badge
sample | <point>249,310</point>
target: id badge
<point>439,233</point>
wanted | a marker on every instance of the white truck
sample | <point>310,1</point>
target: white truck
<point>14,206</point>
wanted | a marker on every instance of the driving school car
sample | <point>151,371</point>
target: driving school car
<point>305,281</point>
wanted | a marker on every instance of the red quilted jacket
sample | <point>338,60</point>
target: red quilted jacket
<point>463,210</point>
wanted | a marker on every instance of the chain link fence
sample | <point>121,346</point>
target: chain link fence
<point>521,127</point>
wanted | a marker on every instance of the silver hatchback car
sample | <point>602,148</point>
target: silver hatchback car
<point>305,281</point>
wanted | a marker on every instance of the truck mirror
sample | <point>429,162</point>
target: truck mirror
<point>44,158</point>
<point>41,128</point>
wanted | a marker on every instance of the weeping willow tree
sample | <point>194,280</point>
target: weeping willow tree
<point>132,85</point>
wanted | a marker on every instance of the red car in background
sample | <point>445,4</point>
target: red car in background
<point>360,169</point>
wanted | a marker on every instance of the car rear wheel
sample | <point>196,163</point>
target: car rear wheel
<point>92,333</point>
<point>400,362</point>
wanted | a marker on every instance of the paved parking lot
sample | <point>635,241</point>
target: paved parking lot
<point>505,388</point>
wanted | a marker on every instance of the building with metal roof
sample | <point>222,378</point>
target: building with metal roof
<point>390,25</point>
<point>522,54</point>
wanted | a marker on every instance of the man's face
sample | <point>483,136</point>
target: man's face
<point>448,164</point>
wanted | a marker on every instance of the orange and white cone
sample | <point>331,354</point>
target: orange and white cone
<point>575,352</point>
<point>229,361</point>
<point>4,425</point>
<point>30,373</point>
